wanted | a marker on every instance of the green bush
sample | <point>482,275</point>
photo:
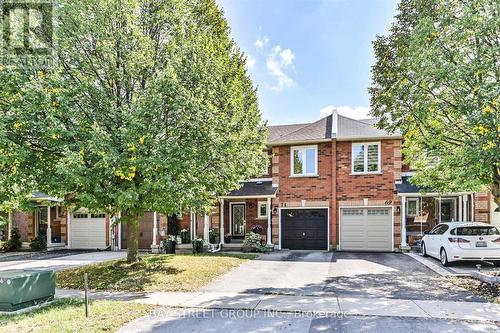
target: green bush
<point>14,243</point>
<point>253,242</point>
<point>40,242</point>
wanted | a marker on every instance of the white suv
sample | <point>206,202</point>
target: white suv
<point>456,241</point>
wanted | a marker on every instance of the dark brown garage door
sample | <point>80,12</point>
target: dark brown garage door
<point>304,229</point>
<point>145,232</point>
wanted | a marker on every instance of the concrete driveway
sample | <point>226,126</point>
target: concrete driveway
<point>343,274</point>
<point>64,262</point>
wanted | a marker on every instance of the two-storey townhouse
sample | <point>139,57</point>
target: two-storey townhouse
<point>334,184</point>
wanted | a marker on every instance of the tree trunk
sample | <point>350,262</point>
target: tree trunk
<point>132,237</point>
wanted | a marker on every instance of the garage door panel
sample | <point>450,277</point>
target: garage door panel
<point>88,233</point>
<point>366,229</point>
<point>304,229</point>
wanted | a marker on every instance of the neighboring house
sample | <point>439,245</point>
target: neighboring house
<point>63,229</point>
<point>337,183</point>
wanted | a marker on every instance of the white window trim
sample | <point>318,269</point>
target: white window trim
<point>304,174</point>
<point>417,204</point>
<point>379,164</point>
<point>259,204</point>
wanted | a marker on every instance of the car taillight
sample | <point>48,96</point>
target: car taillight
<point>457,240</point>
<point>497,240</point>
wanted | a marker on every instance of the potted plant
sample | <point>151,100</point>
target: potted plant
<point>170,244</point>
<point>227,238</point>
<point>257,228</point>
<point>197,245</point>
<point>185,237</point>
<point>212,236</point>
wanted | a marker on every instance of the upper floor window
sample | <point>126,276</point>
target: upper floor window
<point>366,157</point>
<point>304,161</point>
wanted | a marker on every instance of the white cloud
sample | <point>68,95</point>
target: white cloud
<point>261,42</point>
<point>287,57</point>
<point>250,62</point>
<point>277,63</point>
<point>358,112</point>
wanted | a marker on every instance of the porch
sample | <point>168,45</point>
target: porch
<point>235,215</point>
<point>47,217</point>
<point>422,211</point>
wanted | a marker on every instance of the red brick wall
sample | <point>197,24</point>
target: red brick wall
<point>20,221</point>
<point>374,186</point>
<point>306,188</point>
<point>482,203</point>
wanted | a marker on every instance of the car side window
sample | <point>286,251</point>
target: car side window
<point>435,230</point>
<point>443,229</point>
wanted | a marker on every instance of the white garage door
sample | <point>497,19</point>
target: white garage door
<point>366,229</point>
<point>88,231</point>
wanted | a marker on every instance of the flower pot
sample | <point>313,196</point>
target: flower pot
<point>197,246</point>
<point>170,247</point>
<point>212,238</point>
<point>227,239</point>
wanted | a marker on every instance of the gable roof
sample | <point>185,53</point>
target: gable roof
<point>320,130</point>
<point>332,126</point>
<point>348,128</point>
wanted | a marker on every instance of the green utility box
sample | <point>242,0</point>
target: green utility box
<point>20,289</point>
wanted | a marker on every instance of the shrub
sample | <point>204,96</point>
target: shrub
<point>14,243</point>
<point>40,242</point>
<point>15,240</point>
<point>253,241</point>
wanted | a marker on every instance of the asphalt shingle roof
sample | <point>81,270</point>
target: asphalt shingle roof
<point>320,130</point>
<point>350,128</point>
<point>254,188</point>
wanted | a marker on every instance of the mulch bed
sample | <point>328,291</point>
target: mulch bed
<point>490,292</point>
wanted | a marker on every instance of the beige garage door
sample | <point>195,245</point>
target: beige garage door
<point>88,231</point>
<point>366,229</point>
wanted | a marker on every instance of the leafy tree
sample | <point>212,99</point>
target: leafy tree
<point>436,79</point>
<point>148,107</point>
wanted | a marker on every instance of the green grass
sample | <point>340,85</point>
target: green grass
<point>180,272</point>
<point>68,315</point>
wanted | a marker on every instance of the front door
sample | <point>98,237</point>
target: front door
<point>238,219</point>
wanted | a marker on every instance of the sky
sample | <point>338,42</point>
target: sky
<point>309,56</point>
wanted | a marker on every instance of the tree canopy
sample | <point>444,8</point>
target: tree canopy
<point>148,107</point>
<point>436,79</point>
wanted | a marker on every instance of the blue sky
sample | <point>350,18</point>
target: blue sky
<point>309,55</point>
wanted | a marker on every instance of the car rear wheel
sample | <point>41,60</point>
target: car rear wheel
<point>424,250</point>
<point>444,258</point>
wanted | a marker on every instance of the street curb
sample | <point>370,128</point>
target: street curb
<point>434,267</point>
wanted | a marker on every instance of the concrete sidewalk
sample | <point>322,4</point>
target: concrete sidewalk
<point>309,304</point>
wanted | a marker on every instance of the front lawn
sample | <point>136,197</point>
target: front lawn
<point>68,315</point>
<point>162,272</point>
